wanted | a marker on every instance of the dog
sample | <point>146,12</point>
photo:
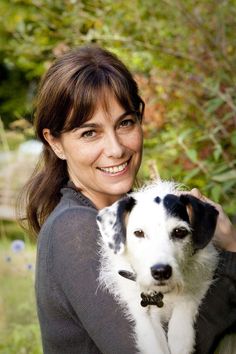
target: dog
<point>156,246</point>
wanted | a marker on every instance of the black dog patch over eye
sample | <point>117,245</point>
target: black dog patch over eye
<point>179,232</point>
<point>175,207</point>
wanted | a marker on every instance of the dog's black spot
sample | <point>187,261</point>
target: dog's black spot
<point>111,246</point>
<point>117,244</point>
<point>99,218</point>
<point>175,207</point>
<point>117,239</point>
<point>157,200</point>
<point>114,246</point>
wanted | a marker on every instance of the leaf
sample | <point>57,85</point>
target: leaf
<point>225,176</point>
<point>233,138</point>
<point>217,153</point>
<point>184,135</point>
<point>192,155</point>
<point>216,192</point>
<point>191,174</point>
<point>213,105</point>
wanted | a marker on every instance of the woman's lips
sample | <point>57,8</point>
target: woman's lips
<point>114,169</point>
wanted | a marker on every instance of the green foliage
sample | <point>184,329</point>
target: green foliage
<point>19,328</point>
<point>21,339</point>
<point>184,52</point>
<point>11,230</point>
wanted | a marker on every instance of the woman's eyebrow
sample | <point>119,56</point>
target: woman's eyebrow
<point>87,125</point>
<point>84,126</point>
<point>95,125</point>
<point>123,115</point>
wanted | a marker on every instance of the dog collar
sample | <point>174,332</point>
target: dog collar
<point>128,275</point>
<point>152,299</point>
<point>147,299</point>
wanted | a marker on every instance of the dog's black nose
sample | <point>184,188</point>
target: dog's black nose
<point>161,271</point>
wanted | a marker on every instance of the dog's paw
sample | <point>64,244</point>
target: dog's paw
<point>181,341</point>
<point>178,347</point>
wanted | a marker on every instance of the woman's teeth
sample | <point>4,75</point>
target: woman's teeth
<point>114,169</point>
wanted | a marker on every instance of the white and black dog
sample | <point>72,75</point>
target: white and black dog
<point>160,239</point>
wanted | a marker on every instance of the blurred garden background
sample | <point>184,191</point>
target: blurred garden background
<point>183,55</point>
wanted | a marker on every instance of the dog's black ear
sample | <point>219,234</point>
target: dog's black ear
<point>203,219</point>
<point>111,222</point>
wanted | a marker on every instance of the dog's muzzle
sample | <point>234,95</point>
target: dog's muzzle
<point>153,298</point>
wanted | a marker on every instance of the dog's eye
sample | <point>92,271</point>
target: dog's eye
<point>139,233</point>
<point>180,232</point>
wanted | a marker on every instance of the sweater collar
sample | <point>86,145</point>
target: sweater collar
<point>71,190</point>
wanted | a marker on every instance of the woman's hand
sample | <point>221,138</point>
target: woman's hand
<point>225,233</point>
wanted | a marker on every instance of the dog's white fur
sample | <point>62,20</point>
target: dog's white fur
<point>192,271</point>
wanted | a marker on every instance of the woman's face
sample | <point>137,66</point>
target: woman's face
<point>104,154</point>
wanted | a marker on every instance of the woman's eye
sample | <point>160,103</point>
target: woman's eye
<point>127,122</point>
<point>88,134</point>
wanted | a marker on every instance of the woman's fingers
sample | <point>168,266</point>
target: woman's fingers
<point>196,193</point>
<point>225,233</point>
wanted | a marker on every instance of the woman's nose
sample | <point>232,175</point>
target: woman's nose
<point>113,146</point>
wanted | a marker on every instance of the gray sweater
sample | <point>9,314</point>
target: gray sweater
<point>76,316</point>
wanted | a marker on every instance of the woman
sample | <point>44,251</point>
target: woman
<point>89,116</point>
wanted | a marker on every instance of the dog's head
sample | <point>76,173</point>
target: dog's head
<point>156,233</point>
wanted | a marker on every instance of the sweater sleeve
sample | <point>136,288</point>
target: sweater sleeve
<point>217,315</point>
<point>75,264</point>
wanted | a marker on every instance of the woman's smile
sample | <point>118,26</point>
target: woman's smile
<point>115,170</point>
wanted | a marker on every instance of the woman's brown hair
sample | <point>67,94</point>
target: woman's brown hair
<point>68,95</point>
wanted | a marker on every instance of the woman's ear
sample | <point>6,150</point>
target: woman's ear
<point>54,143</point>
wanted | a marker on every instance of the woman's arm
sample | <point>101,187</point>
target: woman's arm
<point>217,315</point>
<point>75,266</point>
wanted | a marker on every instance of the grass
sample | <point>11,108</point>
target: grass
<point>19,328</point>
<point>10,230</point>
